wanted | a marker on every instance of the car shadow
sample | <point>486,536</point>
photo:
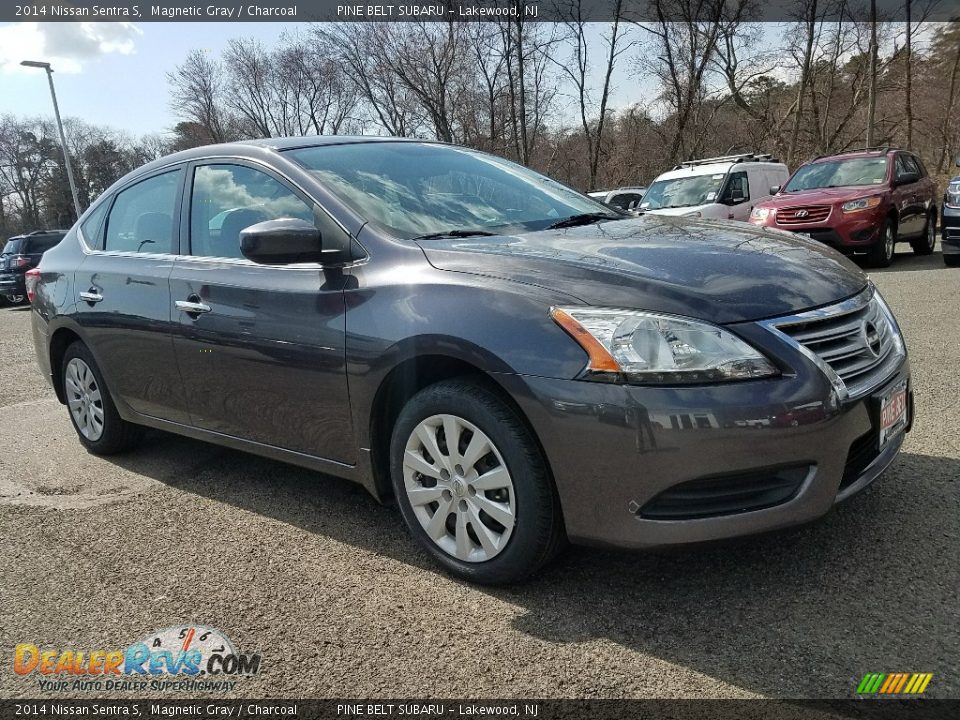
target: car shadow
<point>799,613</point>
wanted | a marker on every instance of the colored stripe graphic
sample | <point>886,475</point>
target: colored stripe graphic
<point>894,683</point>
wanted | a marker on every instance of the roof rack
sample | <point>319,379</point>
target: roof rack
<point>744,157</point>
<point>879,148</point>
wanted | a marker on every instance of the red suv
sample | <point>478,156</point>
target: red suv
<point>859,202</point>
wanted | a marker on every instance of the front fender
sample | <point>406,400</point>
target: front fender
<point>495,326</point>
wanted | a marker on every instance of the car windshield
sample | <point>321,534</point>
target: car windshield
<point>414,189</point>
<point>852,172</point>
<point>12,247</point>
<point>683,191</point>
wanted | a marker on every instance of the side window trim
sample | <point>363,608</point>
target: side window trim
<point>177,210</point>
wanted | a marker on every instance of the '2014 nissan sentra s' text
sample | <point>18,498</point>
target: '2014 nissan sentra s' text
<point>513,362</point>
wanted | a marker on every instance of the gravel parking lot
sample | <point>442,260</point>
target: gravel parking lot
<point>326,585</point>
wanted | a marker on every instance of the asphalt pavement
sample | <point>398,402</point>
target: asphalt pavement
<point>325,584</point>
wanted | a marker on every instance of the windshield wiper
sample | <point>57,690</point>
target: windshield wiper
<point>454,234</point>
<point>581,219</point>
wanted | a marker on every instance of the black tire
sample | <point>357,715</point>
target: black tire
<point>925,244</point>
<point>117,435</point>
<point>16,299</point>
<point>881,254</point>
<point>951,260</point>
<point>538,533</point>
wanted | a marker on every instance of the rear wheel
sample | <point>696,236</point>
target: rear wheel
<point>472,485</point>
<point>925,244</point>
<point>94,416</point>
<point>16,299</point>
<point>881,254</point>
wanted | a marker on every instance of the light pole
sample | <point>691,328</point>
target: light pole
<point>63,138</point>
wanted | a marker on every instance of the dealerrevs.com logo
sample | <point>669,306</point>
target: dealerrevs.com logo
<point>190,657</point>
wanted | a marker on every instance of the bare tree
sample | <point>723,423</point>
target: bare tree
<point>683,51</point>
<point>578,70</point>
<point>872,74</point>
<point>196,90</point>
<point>811,23</point>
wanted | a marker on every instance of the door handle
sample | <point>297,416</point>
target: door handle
<point>191,307</point>
<point>91,296</point>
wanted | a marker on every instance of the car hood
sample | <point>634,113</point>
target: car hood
<point>714,270</point>
<point>822,196</point>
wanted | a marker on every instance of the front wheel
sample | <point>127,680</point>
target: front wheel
<point>472,484</point>
<point>16,299</point>
<point>925,244</point>
<point>94,416</point>
<point>881,254</point>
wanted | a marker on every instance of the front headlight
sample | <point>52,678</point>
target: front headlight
<point>759,214</point>
<point>861,204</point>
<point>951,198</point>
<point>650,348</point>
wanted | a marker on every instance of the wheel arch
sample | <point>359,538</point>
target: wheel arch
<point>406,379</point>
<point>61,339</point>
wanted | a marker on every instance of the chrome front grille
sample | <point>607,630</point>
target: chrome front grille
<point>802,215</point>
<point>856,342</point>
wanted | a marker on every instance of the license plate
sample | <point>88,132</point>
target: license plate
<point>893,412</point>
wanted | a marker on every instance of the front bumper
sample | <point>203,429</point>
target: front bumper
<point>614,450</point>
<point>851,233</point>
<point>950,230</point>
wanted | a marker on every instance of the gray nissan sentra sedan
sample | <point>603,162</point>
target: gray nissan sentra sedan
<point>516,364</point>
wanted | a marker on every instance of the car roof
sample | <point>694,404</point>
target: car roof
<point>855,155</point>
<point>717,169</point>
<point>264,147</point>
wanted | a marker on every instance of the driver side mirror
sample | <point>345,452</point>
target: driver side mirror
<point>282,241</point>
<point>736,199</point>
<point>956,161</point>
<point>774,189</point>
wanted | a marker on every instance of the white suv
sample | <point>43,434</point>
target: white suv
<point>724,188</point>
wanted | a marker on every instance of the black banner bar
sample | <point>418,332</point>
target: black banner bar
<point>446,10</point>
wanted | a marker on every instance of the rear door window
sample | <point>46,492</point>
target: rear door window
<point>142,217</point>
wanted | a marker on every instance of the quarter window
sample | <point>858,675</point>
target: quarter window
<point>90,228</point>
<point>141,219</point>
<point>229,198</point>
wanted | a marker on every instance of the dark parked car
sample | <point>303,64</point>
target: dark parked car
<point>514,363</point>
<point>19,255</point>
<point>950,221</point>
<point>859,202</point>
